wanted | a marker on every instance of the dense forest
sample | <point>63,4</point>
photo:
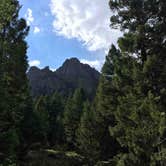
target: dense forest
<point>123,125</point>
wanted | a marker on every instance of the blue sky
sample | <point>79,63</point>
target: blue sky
<point>61,29</point>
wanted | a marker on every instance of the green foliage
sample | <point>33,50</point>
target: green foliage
<point>7,9</point>
<point>93,137</point>
<point>87,133</point>
<point>105,105</point>
<point>139,128</point>
<point>55,110</point>
<point>10,142</point>
<point>43,116</point>
<point>139,79</point>
<point>72,115</point>
<point>14,95</point>
<point>32,131</point>
<point>125,125</point>
<point>144,20</point>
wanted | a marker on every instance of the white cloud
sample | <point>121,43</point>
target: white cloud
<point>29,16</point>
<point>34,63</point>
<point>36,30</point>
<point>53,69</point>
<point>86,20</point>
<point>95,64</point>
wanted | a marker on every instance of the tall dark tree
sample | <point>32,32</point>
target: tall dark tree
<point>42,113</point>
<point>13,82</point>
<point>55,110</point>
<point>72,115</point>
<point>140,113</point>
<point>87,134</point>
<point>106,102</point>
<point>145,23</point>
<point>93,135</point>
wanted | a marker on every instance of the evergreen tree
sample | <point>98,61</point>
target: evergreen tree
<point>14,86</point>
<point>55,110</point>
<point>72,115</point>
<point>43,116</point>
<point>93,135</point>
<point>145,38</point>
<point>139,129</point>
<point>107,93</point>
<point>87,132</point>
<point>140,113</point>
<point>106,102</point>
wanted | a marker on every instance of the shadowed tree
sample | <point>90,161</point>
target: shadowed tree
<point>140,113</point>
<point>72,115</point>
<point>14,92</point>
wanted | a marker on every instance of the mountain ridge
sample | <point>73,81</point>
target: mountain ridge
<point>71,75</point>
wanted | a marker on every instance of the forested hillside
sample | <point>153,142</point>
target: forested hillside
<point>125,123</point>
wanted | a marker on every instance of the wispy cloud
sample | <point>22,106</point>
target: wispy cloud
<point>34,63</point>
<point>95,64</point>
<point>87,21</point>
<point>29,16</point>
<point>53,69</point>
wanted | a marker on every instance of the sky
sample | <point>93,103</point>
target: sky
<point>61,29</point>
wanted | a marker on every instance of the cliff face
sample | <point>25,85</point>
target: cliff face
<point>71,75</point>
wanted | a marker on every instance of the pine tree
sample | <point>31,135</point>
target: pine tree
<point>105,103</point>
<point>13,82</point>
<point>140,113</point>
<point>55,110</point>
<point>43,116</point>
<point>145,39</point>
<point>87,134</point>
<point>93,135</point>
<point>72,115</point>
<point>106,93</point>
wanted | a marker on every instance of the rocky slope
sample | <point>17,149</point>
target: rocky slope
<point>71,75</point>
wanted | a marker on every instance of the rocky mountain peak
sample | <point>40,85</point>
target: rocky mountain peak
<point>71,75</point>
